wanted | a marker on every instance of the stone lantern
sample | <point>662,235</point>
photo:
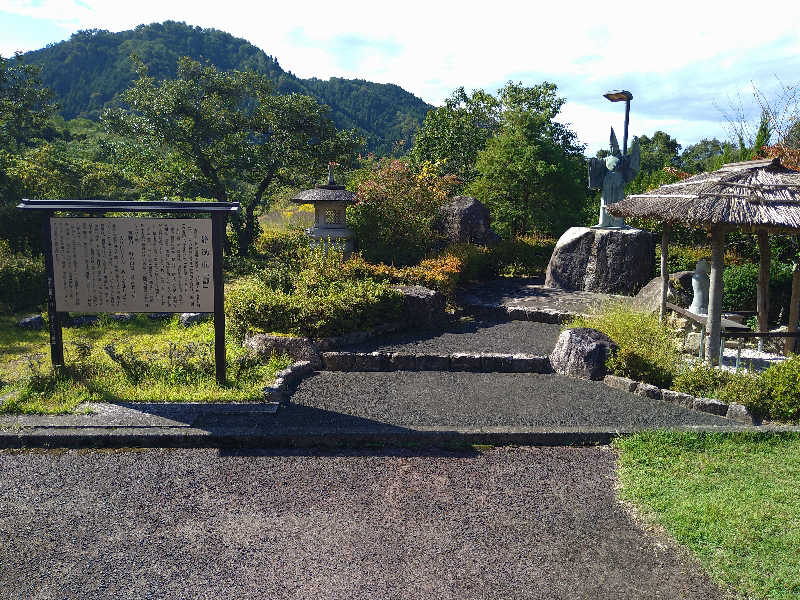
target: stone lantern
<point>330,202</point>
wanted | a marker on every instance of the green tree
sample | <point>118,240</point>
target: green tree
<point>658,152</point>
<point>532,173</point>
<point>225,136</point>
<point>703,156</point>
<point>452,135</point>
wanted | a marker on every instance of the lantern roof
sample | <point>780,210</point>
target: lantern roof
<point>330,192</point>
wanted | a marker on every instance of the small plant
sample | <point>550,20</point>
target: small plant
<point>781,384</point>
<point>699,379</point>
<point>133,364</point>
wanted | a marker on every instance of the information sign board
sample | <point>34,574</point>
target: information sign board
<point>132,264</point>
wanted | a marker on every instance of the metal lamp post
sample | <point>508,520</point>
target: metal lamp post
<point>619,96</point>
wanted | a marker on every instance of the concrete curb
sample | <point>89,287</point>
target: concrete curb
<point>479,362</point>
<point>520,313</point>
<point>188,437</point>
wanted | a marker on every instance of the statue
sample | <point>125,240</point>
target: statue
<point>700,284</point>
<point>611,174</point>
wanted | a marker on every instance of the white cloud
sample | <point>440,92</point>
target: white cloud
<point>430,48</point>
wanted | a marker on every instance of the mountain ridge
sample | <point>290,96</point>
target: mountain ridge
<point>88,71</point>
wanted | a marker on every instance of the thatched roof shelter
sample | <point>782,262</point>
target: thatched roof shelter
<point>759,196</point>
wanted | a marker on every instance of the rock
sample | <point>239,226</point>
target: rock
<point>612,261</point>
<point>402,361</point>
<point>338,361</point>
<point>530,363</point>
<point>33,322</point>
<point>422,307</point>
<point>679,292</point>
<point>433,362</point>
<point>710,405</point>
<point>187,319</point>
<point>122,317</point>
<point>82,321</point>
<point>582,352</point>
<point>648,391</point>
<point>679,398</point>
<point>465,361</point>
<point>299,348</point>
<point>159,316</point>
<point>495,363</point>
<point>371,361</point>
<point>465,220</point>
<point>620,383</point>
<point>739,412</point>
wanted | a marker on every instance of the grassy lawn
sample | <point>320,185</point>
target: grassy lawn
<point>733,499</point>
<point>156,361</point>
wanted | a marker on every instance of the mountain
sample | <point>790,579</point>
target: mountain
<point>89,70</point>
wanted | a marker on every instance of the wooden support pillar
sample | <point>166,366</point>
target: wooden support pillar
<point>664,271</point>
<point>762,298</point>
<point>218,222</point>
<point>714,319</point>
<point>794,309</point>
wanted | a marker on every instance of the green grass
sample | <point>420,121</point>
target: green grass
<point>161,361</point>
<point>733,499</point>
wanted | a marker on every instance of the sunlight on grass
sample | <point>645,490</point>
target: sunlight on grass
<point>733,499</point>
<point>156,361</point>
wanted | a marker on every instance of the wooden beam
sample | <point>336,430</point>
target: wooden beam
<point>762,298</point>
<point>794,308</point>
<point>714,319</point>
<point>664,271</point>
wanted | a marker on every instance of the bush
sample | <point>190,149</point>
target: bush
<point>648,350</point>
<point>523,256</point>
<point>740,283</point>
<point>699,379</point>
<point>281,244</point>
<point>394,213</point>
<point>23,281</point>
<point>781,390</point>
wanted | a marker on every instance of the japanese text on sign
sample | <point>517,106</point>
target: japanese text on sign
<point>136,265</point>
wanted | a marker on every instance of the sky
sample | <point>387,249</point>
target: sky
<point>691,66</point>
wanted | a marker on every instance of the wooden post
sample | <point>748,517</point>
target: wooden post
<point>762,301</point>
<point>54,318</point>
<point>664,271</point>
<point>714,319</point>
<point>794,309</point>
<point>218,222</point>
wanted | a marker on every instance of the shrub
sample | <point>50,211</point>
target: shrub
<point>699,379</point>
<point>740,284</point>
<point>477,262</point>
<point>523,256</point>
<point>748,389</point>
<point>781,395</point>
<point>23,281</point>
<point>648,350</point>
<point>281,244</point>
<point>395,210</point>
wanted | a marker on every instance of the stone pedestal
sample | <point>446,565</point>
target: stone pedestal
<point>611,261</point>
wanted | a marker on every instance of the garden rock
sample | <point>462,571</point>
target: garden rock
<point>465,220</point>
<point>299,348</point>
<point>582,352</point>
<point>620,383</point>
<point>679,398</point>
<point>612,261</point>
<point>82,321</point>
<point>187,319</point>
<point>710,405</point>
<point>679,292</point>
<point>422,306</point>
<point>33,322</point>
<point>648,391</point>
<point>739,412</point>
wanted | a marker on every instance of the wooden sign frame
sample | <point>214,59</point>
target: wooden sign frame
<point>219,214</point>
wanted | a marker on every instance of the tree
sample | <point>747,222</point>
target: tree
<point>225,136</point>
<point>532,173</point>
<point>658,152</point>
<point>25,111</point>
<point>452,135</point>
<point>703,155</point>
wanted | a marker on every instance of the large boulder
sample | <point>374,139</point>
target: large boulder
<point>299,348</point>
<point>679,292</point>
<point>611,261</point>
<point>422,306</point>
<point>582,352</point>
<point>465,220</point>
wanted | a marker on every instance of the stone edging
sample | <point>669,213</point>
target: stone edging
<point>458,361</point>
<point>286,380</point>
<point>733,411</point>
<point>521,313</point>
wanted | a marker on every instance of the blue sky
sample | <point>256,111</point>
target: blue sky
<point>686,63</point>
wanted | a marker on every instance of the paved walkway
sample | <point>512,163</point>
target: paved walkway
<point>521,523</point>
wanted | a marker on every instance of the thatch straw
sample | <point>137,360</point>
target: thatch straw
<point>753,195</point>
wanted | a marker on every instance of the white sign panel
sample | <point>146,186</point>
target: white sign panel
<point>132,265</point>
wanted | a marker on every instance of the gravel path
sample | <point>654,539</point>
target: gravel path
<point>471,335</point>
<point>482,399</point>
<point>509,523</point>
